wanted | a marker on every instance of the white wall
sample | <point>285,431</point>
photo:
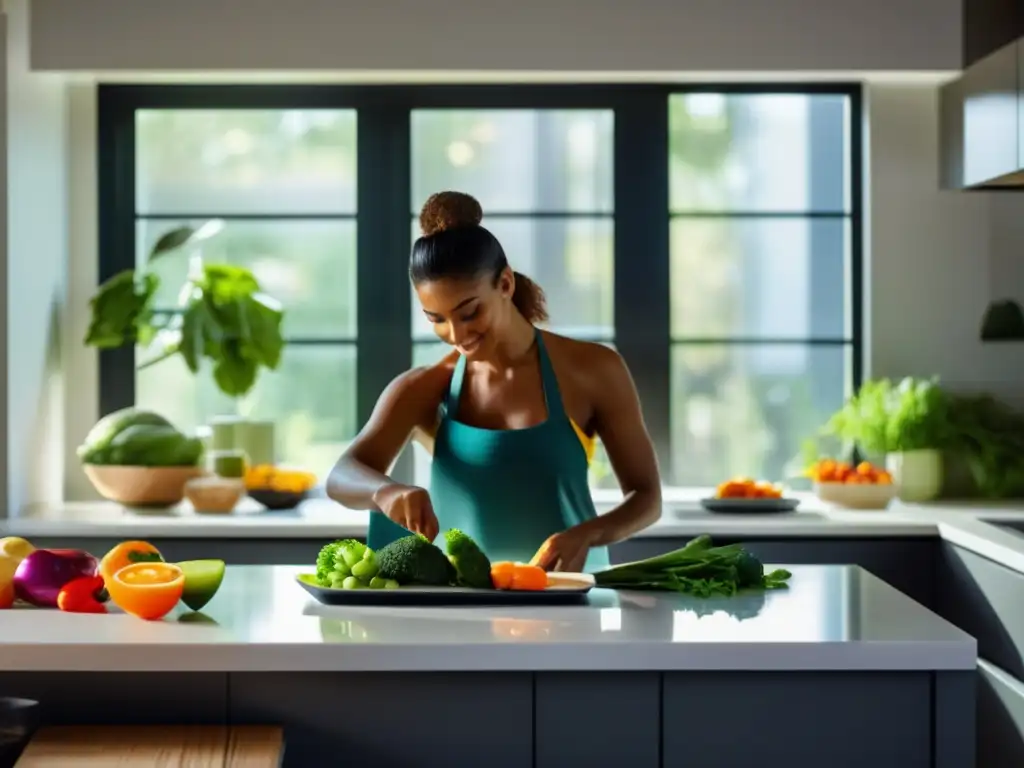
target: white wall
<point>936,257</point>
<point>37,239</point>
<point>538,35</point>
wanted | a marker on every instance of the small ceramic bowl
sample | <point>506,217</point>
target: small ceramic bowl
<point>212,494</point>
<point>856,495</point>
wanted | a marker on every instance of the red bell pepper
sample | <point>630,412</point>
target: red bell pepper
<point>84,595</point>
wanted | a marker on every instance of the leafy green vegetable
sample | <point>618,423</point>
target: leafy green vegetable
<point>699,568</point>
<point>472,566</point>
<point>414,560</point>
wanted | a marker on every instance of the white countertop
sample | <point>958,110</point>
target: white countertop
<point>323,519</point>
<point>969,524</point>
<point>830,618</point>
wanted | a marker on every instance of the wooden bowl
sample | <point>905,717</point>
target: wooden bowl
<point>141,486</point>
<point>856,495</point>
<point>214,494</point>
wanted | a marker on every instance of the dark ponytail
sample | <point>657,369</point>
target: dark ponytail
<point>529,299</point>
<point>454,245</point>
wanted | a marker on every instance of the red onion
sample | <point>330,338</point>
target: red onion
<point>41,576</point>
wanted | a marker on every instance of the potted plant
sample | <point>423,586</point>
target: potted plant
<point>907,423</point>
<point>223,320</point>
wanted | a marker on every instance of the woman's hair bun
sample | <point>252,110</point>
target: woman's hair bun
<point>449,210</point>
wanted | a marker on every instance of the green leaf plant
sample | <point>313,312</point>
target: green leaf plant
<point>225,321</point>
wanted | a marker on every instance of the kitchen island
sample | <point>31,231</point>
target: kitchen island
<point>840,669</point>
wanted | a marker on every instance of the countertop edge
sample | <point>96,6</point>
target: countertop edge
<point>879,656</point>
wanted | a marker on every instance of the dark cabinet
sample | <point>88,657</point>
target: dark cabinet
<point>988,25</point>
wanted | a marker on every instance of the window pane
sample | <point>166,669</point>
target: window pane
<point>309,266</point>
<point>571,259</point>
<point>245,161</point>
<point>311,397</point>
<point>759,152</point>
<point>746,409</point>
<point>515,161</point>
<point>428,353</point>
<point>759,278</point>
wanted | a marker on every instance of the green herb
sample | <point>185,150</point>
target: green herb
<point>885,417</point>
<point>699,568</point>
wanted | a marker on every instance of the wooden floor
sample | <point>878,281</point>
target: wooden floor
<point>195,746</point>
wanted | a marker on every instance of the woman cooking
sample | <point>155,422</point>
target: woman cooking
<point>511,416</point>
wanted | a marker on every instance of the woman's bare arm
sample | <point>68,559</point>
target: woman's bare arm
<point>408,405</point>
<point>620,425</point>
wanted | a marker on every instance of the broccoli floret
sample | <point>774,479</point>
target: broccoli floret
<point>471,564</point>
<point>749,570</point>
<point>414,560</point>
<point>325,561</point>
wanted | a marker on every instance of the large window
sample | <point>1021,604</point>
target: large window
<point>284,183</point>
<point>761,273</point>
<point>544,180</point>
<point>711,235</point>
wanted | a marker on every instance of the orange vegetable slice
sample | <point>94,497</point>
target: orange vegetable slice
<point>147,590</point>
<point>501,575</point>
<point>529,578</point>
<point>126,553</point>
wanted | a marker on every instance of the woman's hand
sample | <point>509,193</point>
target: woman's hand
<point>409,507</point>
<point>566,551</point>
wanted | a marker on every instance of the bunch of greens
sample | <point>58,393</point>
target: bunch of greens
<point>989,435</point>
<point>884,417</point>
<point>224,318</point>
<point>699,568</point>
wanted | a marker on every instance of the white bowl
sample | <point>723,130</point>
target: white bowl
<point>856,495</point>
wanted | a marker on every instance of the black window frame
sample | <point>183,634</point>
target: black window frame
<point>384,344</point>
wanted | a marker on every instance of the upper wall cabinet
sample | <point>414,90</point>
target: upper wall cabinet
<point>989,25</point>
<point>980,133</point>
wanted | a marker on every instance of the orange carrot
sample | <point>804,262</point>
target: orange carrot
<point>501,575</point>
<point>531,578</point>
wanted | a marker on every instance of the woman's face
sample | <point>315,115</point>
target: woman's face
<point>468,314</point>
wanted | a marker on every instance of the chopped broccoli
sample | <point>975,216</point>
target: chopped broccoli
<point>350,552</point>
<point>325,562</point>
<point>471,564</point>
<point>334,556</point>
<point>414,560</point>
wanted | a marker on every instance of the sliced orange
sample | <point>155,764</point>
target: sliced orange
<point>127,553</point>
<point>147,590</point>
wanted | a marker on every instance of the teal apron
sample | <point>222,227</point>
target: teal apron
<point>510,489</point>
